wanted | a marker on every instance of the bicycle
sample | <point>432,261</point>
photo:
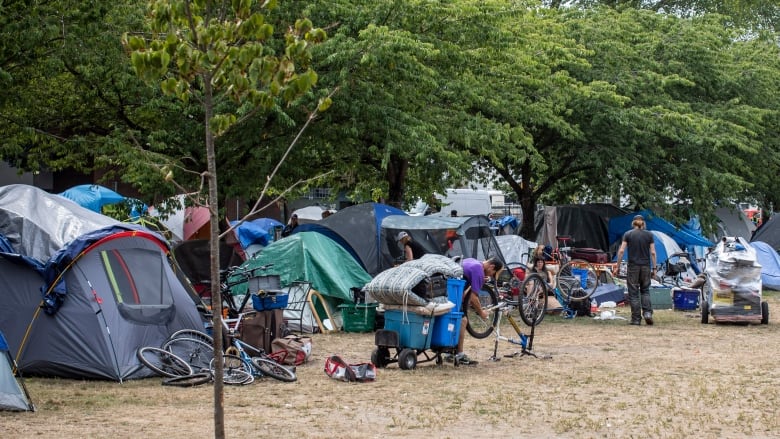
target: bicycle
<point>575,281</point>
<point>230,306</point>
<point>254,361</point>
<point>505,291</point>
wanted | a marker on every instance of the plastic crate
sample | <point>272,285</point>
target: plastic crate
<point>269,300</point>
<point>358,317</point>
<point>661,297</point>
<point>414,331</point>
<point>264,283</point>
<point>685,299</point>
<point>446,329</point>
<point>455,289</point>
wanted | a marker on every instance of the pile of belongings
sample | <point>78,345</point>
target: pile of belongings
<point>418,286</point>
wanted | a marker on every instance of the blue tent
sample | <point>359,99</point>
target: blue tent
<point>92,196</point>
<point>684,238</point>
<point>358,229</point>
<point>770,264</point>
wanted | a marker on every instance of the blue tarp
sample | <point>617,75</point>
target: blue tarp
<point>92,196</point>
<point>258,231</point>
<point>770,264</point>
<point>684,238</point>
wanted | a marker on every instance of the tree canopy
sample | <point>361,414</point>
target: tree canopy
<point>647,103</point>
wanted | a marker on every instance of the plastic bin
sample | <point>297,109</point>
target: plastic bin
<point>455,289</point>
<point>358,317</point>
<point>685,299</point>
<point>414,330</point>
<point>582,275</point>
<point>265,283</point>
<point>446,329</point>
<point>270,300</point>
<point>661,297</point>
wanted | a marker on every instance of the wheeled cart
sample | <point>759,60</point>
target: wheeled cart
<point>732,292</point>
<point>412,336</point>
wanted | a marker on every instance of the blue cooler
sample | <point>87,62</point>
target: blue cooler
<point>414,330</point>
<point>446,330</point>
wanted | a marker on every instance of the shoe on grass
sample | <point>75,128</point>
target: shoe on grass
<point>648,318</point>
<point>464,360</point>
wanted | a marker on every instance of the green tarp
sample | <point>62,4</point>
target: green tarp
<point>312,257</point>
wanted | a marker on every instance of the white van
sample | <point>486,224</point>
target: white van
<point>465,202</point>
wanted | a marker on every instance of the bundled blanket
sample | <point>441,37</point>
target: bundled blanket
<point>394,287</point>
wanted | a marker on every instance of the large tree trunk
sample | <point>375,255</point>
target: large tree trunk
<point>395,176</point>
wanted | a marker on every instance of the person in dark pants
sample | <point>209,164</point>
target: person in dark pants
<point>641,267</point>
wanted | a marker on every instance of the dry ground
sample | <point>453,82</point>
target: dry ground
<point>676,379</point>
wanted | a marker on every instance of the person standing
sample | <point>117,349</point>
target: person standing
<point>641,267</point>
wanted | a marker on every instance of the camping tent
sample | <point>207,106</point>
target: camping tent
<point>587,224</point>
<point>358,229</point>
<point>185,222</point>
<point>312,257</point>
<point>108,288</point>
<point>769,232</point>
<point>733,222</point>
<point>13,393</point>
<point>770,264</point>
<point>515,248</point>
<point>469,237</point>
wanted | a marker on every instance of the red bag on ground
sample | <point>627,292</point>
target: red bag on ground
<point>338,369</point>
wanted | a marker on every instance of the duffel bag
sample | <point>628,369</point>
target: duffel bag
<point>592,255</point>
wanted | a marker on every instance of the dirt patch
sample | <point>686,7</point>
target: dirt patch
<point>606,379</point>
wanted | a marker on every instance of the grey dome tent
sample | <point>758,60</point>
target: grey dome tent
<point>83,291</point>
<point>13,393</point>
<point>463,236</point>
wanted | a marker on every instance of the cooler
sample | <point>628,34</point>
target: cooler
<point>414,330</point>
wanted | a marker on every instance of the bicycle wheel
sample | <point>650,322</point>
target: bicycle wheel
<point>192,333</point>
<point>193,380</point>
<point>162,362</point>
<point>234,370</point>
<point>577,280</point>
<point>477,326</point>
<point>197,353</point>
<point>274,369</point>
<point>533,296</point>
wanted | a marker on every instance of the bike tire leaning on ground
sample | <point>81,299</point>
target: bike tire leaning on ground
<point>162,362</point>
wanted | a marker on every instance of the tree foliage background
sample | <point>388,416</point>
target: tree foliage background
<point>663,104</point>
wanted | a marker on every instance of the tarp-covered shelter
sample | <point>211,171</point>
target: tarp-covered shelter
<point>586,224</point>
<point>311,257</point>
<point>770,264</point>
<point>684,237</point>
<point>359,229</point>
<point>468,237</point>
<point>92,196</point>
<point>83,291</point>
<point>256,234</point>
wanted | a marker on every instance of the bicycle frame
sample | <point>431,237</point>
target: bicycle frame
<point>525,341</point>
<point>231,327</point>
